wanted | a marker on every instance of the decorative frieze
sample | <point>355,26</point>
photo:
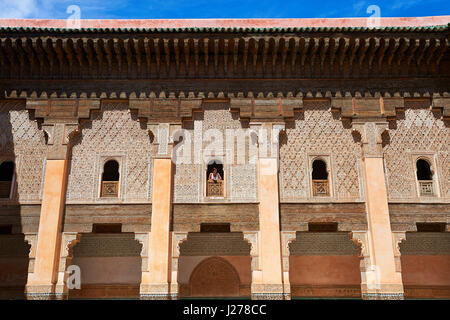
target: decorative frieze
<point>425,243</point>
<point>215,244</point>
<point>107,245</point>
<point>322,243</point>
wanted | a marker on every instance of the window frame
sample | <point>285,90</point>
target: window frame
<point>430,158</point>
<point>326,158</point>
<point>102,161</point>
<point>204,179</point>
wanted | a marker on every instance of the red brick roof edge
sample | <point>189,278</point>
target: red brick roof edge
<point>228,23</point>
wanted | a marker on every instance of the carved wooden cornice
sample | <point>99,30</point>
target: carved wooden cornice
<point>50,54</point>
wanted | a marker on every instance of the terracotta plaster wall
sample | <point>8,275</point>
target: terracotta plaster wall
<point>324,270</point>
<point>13,272</point>
<point>430,270</point>
<point>187,264</point>
<point>13,277</point>
<point>109,270</point>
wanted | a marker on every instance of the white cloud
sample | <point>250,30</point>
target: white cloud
<point>51,9</point>
<point>18,9</point>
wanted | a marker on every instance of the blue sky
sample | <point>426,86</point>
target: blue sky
<point>175,9</point>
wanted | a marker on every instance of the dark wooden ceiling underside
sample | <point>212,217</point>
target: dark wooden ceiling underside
<point>220,63</point>
<point>173,56</point>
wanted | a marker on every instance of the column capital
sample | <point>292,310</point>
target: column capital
<point>59,120</point>
<point>163,137</point>
<point>371,133</point>
<point>58,136</point>
<point>268,138</point>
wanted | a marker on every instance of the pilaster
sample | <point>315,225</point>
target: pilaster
<point>269,285</point>
<point>59,120</point>
<point>155,283</point>
<point>380,280</point>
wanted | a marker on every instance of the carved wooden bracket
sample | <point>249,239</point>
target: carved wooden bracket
<point>172,110</point>
<point>354,108</point>
<point>259,109</point>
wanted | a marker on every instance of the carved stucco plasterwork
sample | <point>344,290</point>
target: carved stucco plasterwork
<point>317,132</point>
<point>417,132</point>
<point>425,243</point>
<point>108,245</point>
<point>23,142</point>
<point>322,243</point>
<point>113,132</point>
<point>215,244</point>
<point>241,181</point>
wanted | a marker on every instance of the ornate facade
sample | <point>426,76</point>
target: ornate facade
<point>331,142</point>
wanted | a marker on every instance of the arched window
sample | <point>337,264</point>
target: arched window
<point>214,179</point>
<point>6,178</point>
<point>423,170</point>
<point>320,178</point>
<point>110,179</point>
<point>425,177</point>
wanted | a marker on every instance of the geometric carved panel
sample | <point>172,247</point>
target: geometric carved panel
<point>22,141</point>
<point>426,243</point>
<point>418,131</point>
<point>113,131</point>
<point>189,177</point>
<point>215,244</point>
<point>316,131</point>
<point>323,244</point>
<point>107,245</point>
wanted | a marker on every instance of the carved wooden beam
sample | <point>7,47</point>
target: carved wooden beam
<point>243,56</point>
